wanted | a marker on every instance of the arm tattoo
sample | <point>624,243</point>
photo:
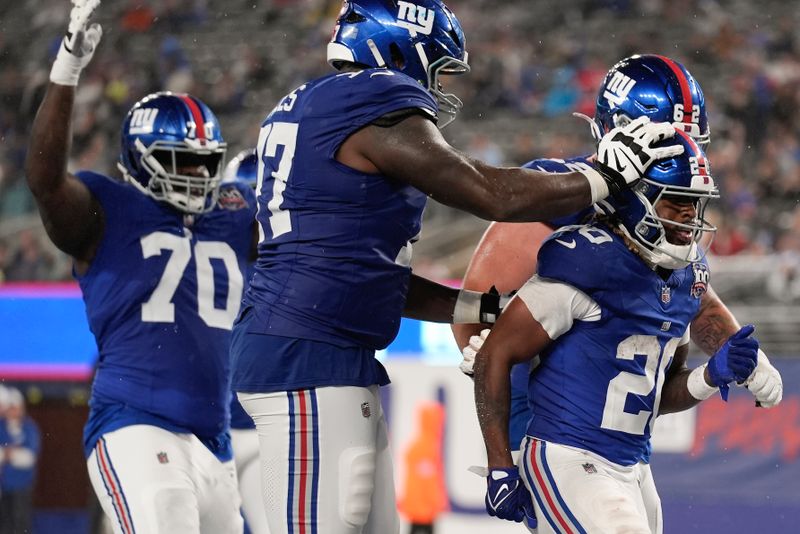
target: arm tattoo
<point>713,325</point>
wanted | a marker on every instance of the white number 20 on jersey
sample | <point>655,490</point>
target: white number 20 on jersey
<point>159,307</point>
<point>614,415</point>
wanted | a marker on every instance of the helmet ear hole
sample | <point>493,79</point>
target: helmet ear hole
<point>396,56</point>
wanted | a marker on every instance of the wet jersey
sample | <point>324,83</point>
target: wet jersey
<point>334,256</point>
<point>161,295</point>
<point>598,386</point>
<point>335,248</point>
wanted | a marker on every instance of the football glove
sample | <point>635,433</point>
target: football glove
<point>735,360</point>
<point>765,383</point>
<point>507,498</point>
<point>78,45</point>
<point>471,350</point>
<point>625,153</point>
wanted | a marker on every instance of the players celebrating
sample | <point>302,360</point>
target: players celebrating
<point>159,259</point>
<point>651,85</point>
<point>613,344</point>
<point>348,161</point>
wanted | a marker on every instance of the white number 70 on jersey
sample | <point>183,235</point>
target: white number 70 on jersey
<point>159,307</point>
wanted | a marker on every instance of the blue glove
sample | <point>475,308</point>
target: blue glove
<point>735,360</point>
<point>507,498</point>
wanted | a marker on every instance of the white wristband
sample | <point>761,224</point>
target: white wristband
<point>468,307</point>
<point>597,183</point>
<point>697,386</point>
<point>66,68</point>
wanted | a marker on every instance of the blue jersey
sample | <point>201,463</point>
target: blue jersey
<point>333,264</point>
<point>599,385</point>
<point>161,295</point>
<point>520,413</point>
<point>333,260</point>
<point>27,436</point>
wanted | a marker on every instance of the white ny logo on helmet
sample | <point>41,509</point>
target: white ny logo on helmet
<point>618,89</point>
<point>415,18</point>
<point>142,120</point>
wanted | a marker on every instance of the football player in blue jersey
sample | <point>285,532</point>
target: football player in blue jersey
<point>662,89</point>
<point>243,168</point>
<point>159,258</point>
<point>607,315</point>
<point>346,163</point>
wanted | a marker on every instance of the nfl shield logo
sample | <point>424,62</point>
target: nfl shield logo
<point>162,458</point>
<point>590,469</point>
<point>365,411</point>
<point>666,295</point>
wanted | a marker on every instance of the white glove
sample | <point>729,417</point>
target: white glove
<point>471,350</point>
<point>625,153</point>
<point>78,46</point>
<point>765,383</point>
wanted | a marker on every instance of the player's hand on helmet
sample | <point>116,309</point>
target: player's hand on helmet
<point>626,152</point>
<point>471,350</point>
<point>735,360</point>
<point>765,383</point>
<point>78,45</point>
<point>507,498</point>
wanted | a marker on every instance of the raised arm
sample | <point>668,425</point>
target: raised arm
<point>413,151</point>
<point>72,216</point>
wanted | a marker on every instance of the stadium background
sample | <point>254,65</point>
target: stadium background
<point>724,468</point>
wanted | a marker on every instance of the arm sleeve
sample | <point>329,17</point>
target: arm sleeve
<point>556,305</point>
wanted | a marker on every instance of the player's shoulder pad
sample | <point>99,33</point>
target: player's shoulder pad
<point>578,255</point>
<point>559,165</point>
<point>235,196</point>
<point>380,89</point>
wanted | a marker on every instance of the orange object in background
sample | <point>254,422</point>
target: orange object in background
<point>424,495</point>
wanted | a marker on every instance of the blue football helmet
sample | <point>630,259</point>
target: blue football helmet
<point>657,87</point>
<point>242,168</point>
<point>681,179</point>
<point>420,38</point>
<point>163,135</point>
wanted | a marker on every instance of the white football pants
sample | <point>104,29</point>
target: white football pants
<point>152,481</point>
<point>578,491</point>
<point>325,459</point>
<point>248,472</point>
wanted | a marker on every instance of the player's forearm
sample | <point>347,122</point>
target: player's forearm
<point>675,396</point>
<point>427,300</point>
<point>524,195</point>
<point>492,402</point>
<point>50,140</point>
<point>713,325</point>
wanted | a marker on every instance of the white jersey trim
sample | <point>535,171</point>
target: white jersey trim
<point>556,305</point>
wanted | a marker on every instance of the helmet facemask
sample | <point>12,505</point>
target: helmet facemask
<point>650,233</point>
<point>449,104</point>
<point>163,161</point>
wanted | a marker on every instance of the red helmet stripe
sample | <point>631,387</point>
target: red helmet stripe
<point>686,92</point>
<point>197,116</point>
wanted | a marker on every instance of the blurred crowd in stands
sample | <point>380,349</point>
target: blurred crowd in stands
<point>533,64</point>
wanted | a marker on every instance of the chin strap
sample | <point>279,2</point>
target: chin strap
<point>595,129</point>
